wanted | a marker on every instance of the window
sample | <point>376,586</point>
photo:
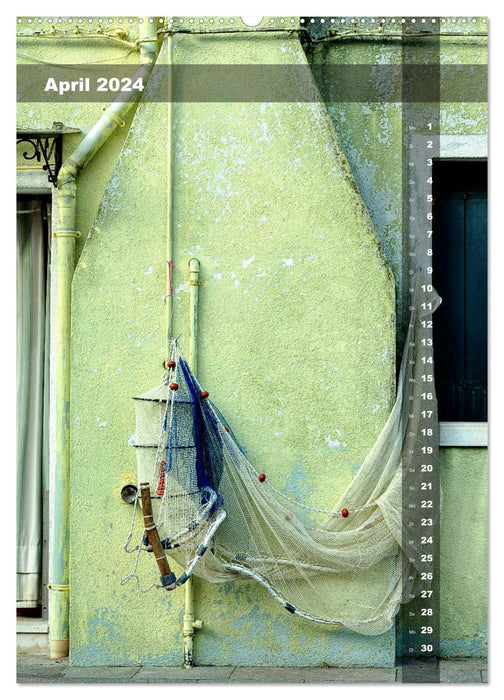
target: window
<point>460,278</point>
<point>33,227</point>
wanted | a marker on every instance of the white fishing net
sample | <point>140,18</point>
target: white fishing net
<point>219,518</point>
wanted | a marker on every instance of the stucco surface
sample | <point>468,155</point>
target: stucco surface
<point>464,556</point>
<point>296,347</point>
<point>371,132</point>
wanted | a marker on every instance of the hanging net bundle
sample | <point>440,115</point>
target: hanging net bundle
<point>221,519</point>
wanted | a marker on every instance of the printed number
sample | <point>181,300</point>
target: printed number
<point>427,612</point>
<point>426,647</point>
<point>119,85</point>
<point>427,576</point>
<point>426,467</point>
<point>426,630</point>
<point>426,522</point>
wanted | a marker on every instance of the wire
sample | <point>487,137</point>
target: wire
<point>188,30</point>
<point>396,35</point>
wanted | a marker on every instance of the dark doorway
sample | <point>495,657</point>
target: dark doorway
<point>460,278</point>
<point>32,349</point>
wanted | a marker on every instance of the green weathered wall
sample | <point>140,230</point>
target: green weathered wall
<point>464,471</point>
<point>371,132</point>
<point>464,556</point>
<point>297,301</point>
<point>371,138</point>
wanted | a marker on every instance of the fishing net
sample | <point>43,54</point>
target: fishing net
<point>221,519</point>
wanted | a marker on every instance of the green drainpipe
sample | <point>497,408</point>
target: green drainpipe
<point>65,236</point>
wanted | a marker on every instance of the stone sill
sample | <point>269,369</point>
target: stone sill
<point>463,434</point>
<point>27,625</point>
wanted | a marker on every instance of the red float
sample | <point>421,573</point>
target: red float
<point>161,485</point>
<point>262,477</point>
<point>204,394</point>
<point>344,513</point>
<point>174,386</point>
<point>171,364</point>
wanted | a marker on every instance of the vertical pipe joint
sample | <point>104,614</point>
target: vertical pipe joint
<point>194,265</point>
<point>194,270</point>
<point>190,625</point>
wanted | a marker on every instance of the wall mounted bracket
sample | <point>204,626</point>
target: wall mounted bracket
<point>44,146</point>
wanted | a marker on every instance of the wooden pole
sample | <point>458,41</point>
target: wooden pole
<point>167,577</point>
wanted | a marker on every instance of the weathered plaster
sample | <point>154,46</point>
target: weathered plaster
<point>464,564</point>
<point>296,346</point>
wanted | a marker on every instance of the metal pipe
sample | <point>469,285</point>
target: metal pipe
<point>169,195</point>
<point>65,236</point>
<point>194,270</point>
<point>190,624</point>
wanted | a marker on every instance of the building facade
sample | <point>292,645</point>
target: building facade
<point>294,209</point>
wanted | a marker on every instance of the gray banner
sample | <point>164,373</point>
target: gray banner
<point>252,83</point>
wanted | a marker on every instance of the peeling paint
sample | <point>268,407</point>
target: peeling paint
<point>335,444</point>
